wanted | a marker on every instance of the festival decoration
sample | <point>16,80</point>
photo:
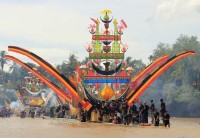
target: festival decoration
<point>108,47</point>
<point>23,91</point>
<point>121,27</point>
<point>89,47</point>
<point>106,51</point>
<point>53,71</point>
<point>105,77</point>
<point>136,80</point>
<point>102,41</point>
<point>124,48</point>
<point>92,28</point>
<point>152,77</point>
<point>107,92</point>
<point>33,84</point>
<point>129,70</point>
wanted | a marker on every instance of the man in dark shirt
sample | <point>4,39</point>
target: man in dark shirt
<point>83,115</point>
<point>152,109</point>
<point>141,112</point>
<point>133,107</point>
<point>162,108</point>
<point>63,111</point>
<point>102,110</point>
<point>112,108</point>
<point>133,112</point>
<point>146,110</point>
<point>125,112</point>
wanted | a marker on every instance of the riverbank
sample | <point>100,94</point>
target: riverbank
<point>64,128</point>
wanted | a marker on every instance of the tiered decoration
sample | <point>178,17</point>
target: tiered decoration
<point>106,51</point>
<point>100,47</point>
<point>30,95</point>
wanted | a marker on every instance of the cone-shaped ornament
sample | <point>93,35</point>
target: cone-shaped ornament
<point>107,92</point>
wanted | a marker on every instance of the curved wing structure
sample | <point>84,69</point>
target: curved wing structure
<point>138,78</point>
<point>53,86</point>
<point>53,71</point>
<point>153,76</point>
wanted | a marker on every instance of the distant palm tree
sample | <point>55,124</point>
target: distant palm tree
<point>129,60</point>
<point>15,70</point>
<point>14,67</point>
<point>150,58</point>
<point>2,59</point>
<point>85,60</point>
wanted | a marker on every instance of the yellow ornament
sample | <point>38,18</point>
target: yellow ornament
<point>40,102</point>
<point>33,102</point>
<point>107,92</point>
<point>115,21</point>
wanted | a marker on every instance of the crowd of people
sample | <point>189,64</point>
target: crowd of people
<point>34,112</point>
<point>58,112</point>
<point>5,112</point>
<point>119,112</point>
<point>113,111</point>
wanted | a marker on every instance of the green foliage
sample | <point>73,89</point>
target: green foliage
<point>68,67</point>
<point>177,88</point>
<point>137,65</point>
<point>2,59</point>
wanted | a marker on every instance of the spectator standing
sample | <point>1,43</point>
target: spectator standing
<point>146,112</point>
<point>162,109</point>
<point>152,110</point>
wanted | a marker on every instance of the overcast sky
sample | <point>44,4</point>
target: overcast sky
<point>55,28</point>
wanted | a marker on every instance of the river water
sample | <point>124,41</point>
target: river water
<point>15,127</point>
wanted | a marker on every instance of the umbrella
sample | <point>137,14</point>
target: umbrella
<point>35,68</point>
<point>106,11</point>
<point>129,68</point>
<point>83,67</point>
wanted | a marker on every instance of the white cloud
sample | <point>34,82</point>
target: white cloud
<point>172,9</point>
<point>54,29</point>
<point>51,31</point>
<point>42,23</point>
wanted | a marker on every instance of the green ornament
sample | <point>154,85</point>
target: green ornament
<point>106,17</point>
